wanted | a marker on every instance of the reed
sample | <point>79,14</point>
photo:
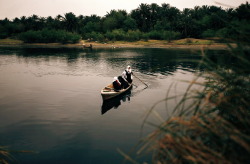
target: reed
<point>5,156</point>
<point>214,128</point>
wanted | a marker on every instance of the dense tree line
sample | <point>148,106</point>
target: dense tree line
<point>148,21</point>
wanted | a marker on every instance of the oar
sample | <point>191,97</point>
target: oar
<point>140,79</point>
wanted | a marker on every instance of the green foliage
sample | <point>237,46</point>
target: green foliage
<point>94,36</point>
<point>3,32</point>
<point>243,12</point>
<point>115,20</point>
<point>199,22</point>
<point>29,37</point>
<point>134,35</point>
<point>239,31</point>
<point>70,22</point>
<point>115,35</point>
<point>171,35</point>
<point>162,25</point>
<point>157,35</point>
<point>49,36</point>
<point>208,33</point>
<point>129,24</point>
<point>109,24</point>
<point>163,35</point>
<point>90,27</point>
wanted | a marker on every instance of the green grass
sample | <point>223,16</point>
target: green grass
<point>10,41</point>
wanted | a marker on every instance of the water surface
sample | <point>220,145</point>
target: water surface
<point>50,100</point>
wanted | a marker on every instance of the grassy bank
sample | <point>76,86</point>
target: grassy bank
<point>182,43</point>
<point>10,42</point>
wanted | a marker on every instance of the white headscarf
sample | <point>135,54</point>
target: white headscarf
<point>115,78</point>
<point>129,69</point>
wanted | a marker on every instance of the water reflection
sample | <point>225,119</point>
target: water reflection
<point>51,102</point>
<point>152,61</point>
<point>115,102</point>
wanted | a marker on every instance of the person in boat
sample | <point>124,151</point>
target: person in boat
<point>127,74</point>
<point>124,83</point>
<point>117,84</point>
<point>126,77</point>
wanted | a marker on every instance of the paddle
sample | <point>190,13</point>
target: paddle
<point>140,79</point>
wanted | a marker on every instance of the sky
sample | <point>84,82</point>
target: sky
<point>16,8</point>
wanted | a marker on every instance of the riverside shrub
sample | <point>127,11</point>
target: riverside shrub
<point>49,36</point>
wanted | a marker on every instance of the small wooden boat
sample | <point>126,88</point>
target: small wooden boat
<point>109,92</point>
<point>87,46</point>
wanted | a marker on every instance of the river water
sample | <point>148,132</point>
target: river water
<point>50,101</point>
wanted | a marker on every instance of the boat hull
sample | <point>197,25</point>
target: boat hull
<point>109,92</point>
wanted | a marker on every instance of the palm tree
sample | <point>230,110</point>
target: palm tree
<point>142,17</point>
<point>70,22</point>
<point>154,14</point>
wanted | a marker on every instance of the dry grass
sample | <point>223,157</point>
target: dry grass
<point>5,155</point>
<point>215,127</point>
<point>192,41</point>
<point>10,41</point>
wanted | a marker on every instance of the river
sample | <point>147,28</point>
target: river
<point>50,101</point>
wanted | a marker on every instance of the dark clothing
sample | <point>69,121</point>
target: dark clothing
<point>129,79</point>
<point>117,85</point>
<point>124,84</point>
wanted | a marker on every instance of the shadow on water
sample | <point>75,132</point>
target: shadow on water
<point>115,102</point>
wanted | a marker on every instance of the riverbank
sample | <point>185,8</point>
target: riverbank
<point>182,43</point>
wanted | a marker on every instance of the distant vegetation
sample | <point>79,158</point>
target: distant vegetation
<point>49,36</point>
<point>148,21</point>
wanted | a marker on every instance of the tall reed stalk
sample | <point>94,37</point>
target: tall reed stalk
<point>5,156</point>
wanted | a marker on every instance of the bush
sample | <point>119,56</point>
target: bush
<point>116,35</point>
<point>133,35</point>
<point>155,35</point>
<point>208,33</point>
<point>163,35</point>
<point>171,35</point>
<point>73,38</point>
<point>30,37</point>
<point>3,32</point>
<point>49,36</point>
<point>95,36</point>
<point>222,33</point>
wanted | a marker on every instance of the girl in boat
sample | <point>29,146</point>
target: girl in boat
<point>117,85</point>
